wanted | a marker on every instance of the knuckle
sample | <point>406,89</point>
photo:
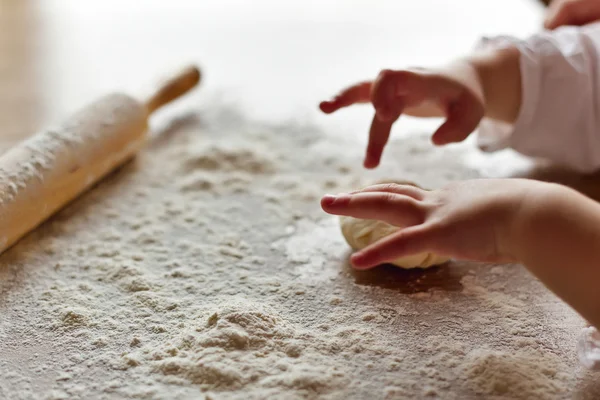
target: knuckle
<point>387,199</point>
<point>428,206</point>
<point>411,203</point>
<point>388,76</point>
<point>391,187</point>
<point>385,73</point>
<point>407,204</point>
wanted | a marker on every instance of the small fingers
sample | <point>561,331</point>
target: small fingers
<point>359,93</point>
<point>392,208</point>
<point>387,92</point>
<point>406,190</point>
<point>388,104</point>
<point>406,242</point>
<point>379,134</point>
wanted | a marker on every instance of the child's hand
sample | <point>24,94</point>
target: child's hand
<point>571,12</point>
<point>553,230</point>
<point>470,220</point>
<point>454,93</point>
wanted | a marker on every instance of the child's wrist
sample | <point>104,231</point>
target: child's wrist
<point>499,76</point>
<point>465,72</point>
<point>534,211</point>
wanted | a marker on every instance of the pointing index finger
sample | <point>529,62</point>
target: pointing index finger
<point>379,135</point>
<point>359,93</point>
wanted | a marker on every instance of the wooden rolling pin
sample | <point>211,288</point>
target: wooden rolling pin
<point>42,174</point>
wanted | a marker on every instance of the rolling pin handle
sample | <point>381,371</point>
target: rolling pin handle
<point>173,88</point>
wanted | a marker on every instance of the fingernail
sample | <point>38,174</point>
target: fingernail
<point>338,199</point>
<point>370,163</point>
<point>328,199</point>
<point>328,106</point>
<point>355,259</point>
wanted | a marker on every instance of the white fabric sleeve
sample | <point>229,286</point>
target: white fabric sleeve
<point>559,119</point>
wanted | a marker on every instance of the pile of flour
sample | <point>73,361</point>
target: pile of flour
<point>207,269</point>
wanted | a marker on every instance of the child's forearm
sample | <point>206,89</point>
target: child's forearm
<point>558,239</point>
<point>558,236</point>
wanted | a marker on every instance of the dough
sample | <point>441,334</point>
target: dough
<point>359,233</point>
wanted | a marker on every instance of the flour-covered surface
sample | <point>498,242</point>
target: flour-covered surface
<point>206,269</point>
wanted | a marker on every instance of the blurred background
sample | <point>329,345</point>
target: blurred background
<point>274,60</point>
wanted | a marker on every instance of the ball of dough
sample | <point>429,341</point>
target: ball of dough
<point>359,233</point>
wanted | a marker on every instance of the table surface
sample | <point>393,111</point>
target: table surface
<point>270,60</point>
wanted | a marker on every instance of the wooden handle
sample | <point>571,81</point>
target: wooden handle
<point>173,88</point>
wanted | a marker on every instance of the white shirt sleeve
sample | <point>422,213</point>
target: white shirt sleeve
<point>559,118</point>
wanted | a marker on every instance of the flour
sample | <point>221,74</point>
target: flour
<point>206,269</point>
<point>521,375</point>
<point>250,335</point>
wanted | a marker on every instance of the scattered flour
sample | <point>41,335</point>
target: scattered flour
<point>205,269</point>
<point>520,375</point>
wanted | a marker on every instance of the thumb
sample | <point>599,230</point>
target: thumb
<point>463,117</point>
<point>406,242</point>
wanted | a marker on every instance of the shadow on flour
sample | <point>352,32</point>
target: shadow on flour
<point>163,136</point>
<point>588,387</point>
<point>446,277</point>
